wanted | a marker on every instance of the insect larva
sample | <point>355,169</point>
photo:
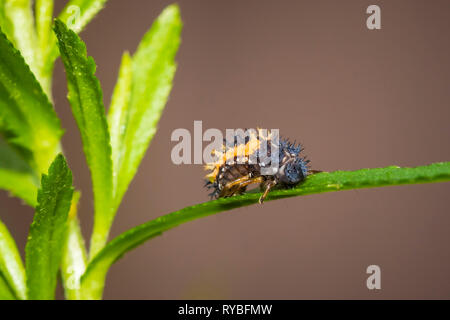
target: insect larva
<point>227,179</point>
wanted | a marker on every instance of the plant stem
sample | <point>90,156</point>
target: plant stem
<point>74,260</point>
<point>93,279</point>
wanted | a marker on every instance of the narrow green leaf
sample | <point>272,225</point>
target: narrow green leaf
<point>93,279</point>
<point>44,19</point>
<point>134,123</point>
<point>85,97</point>
<point>16,175</point>
<point>5,23</point>
<point>11,266</point>
<point>74,255</point>
<point>25,109</point>
<point>76,14</point>
<point>20,25</point>
<point>118,114</point>
<point>6,292</point>
<point>47,232</point>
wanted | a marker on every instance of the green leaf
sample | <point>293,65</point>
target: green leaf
<point>93,279</point>
<point>47,232</point>
<point>77,14</point>
<point>140,96</point>
<point>11,267</point>
<point>118,114</point>
<point>44,19</point>
<point>5,23</point>
<point>85,97</point>
<point>74,259</point>
<point>6,292</point>
<point>16,175</point>
<point>26,110</point>
<point>19,22</point>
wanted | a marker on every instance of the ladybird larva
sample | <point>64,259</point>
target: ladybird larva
<point>227,179</point>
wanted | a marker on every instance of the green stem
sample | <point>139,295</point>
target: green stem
<point>99,237</point>
<point>92,281</point>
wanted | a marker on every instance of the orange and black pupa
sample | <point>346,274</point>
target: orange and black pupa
<point>227,179</point>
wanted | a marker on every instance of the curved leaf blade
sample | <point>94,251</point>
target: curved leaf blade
<point>29,113</point>
<point>47,232</point>
<point>11,266</point>
<point>85,97</point>
<point>93,279</point>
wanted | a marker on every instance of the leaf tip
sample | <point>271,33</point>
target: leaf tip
<point>58,25</point>
<point>171,14</point>
<point>60,167</point>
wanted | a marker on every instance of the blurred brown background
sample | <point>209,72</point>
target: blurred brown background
<point>355,98</point>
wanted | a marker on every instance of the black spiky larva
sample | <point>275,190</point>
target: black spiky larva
<point>227,180</point>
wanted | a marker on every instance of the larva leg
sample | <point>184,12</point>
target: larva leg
<point>230,188</point>
<point>266,191</point>
<point>238,184</point>
<point>240,188</point>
